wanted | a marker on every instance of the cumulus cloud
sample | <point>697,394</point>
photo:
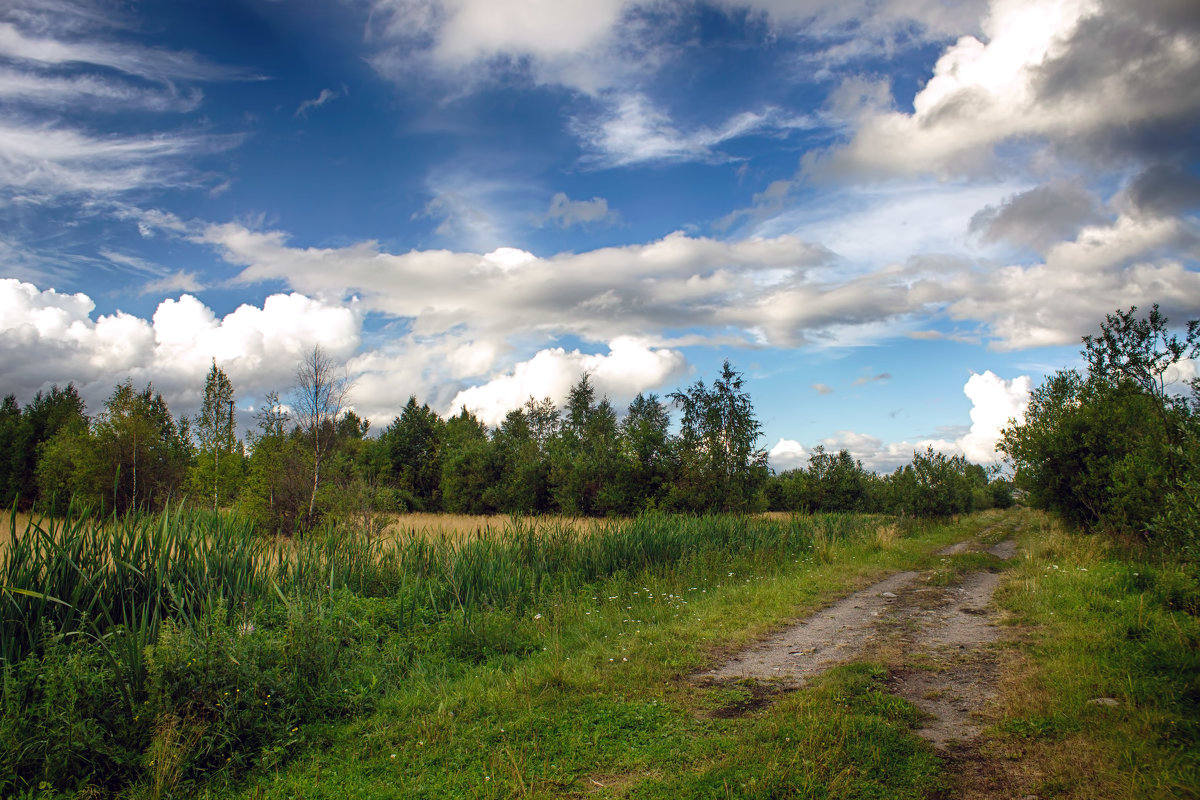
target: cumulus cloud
<point>776,291</point>
<point>822,388</point>
<point>47,337</point>
<point>787,454</point>
<point>1131,261</point>
<point>1050,72</point>
<point>994,402</point>
<point>630,366</point>
<point>678,283</point>
<point>1163,189</point>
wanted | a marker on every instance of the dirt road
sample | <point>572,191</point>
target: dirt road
<point>936,639</point>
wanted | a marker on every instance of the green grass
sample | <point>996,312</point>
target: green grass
<point>539,662</point>
<point>1104,621</point>
<point>142,635</point>
<point>608,705</point>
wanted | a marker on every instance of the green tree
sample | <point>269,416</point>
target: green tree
<point>467,465</point>
<point>933,485</point>
<point>837,482</point>
<point>722,467</point>
<point>218,468</point>
<point>274,490</point>
<point>522,472</point>
<point>648,458</point>
<point>1113,447</point>
<point>143,454</point>
<point>40,421</point>
<point>10,428</point>
<point>1142,352</point>
<point>585,456</point>
<point>413,448</point>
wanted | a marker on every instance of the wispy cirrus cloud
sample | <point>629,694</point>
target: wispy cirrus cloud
<point>60,56</point>
<point>630,130</point>
<point>324,97</point>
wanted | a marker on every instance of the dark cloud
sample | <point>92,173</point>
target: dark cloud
<point>1164,189</point>
<point>1141,56</point>
<point>1038,218</point>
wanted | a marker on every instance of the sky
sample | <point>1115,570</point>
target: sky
<point>893,218</point>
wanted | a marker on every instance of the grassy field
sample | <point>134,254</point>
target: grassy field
<point>531,660</point>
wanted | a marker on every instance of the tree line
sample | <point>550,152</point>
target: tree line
<point>312,458</point>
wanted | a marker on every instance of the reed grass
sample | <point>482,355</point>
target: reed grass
<point>189,607</point>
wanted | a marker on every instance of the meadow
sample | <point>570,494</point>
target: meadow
<point>181,655</point>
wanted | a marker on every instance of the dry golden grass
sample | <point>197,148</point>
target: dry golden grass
<point>23,520</point>
<point>457,527</point>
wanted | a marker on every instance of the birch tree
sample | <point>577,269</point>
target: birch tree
<point>320,395</point>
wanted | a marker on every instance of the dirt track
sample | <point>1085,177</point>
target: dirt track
<point>936,640</point>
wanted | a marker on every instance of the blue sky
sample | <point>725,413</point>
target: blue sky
<point>894,218</point>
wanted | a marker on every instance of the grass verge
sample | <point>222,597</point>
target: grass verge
<point>1102,698</point>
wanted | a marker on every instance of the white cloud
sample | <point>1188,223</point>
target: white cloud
<point>57,160</point>
<point>630,366</point>
<point>678,282</point>
<point>822,388</point>
<point>90,90</point>
<point>787,454</point>
<point>46,338</point>
<point>62,57</point>
<point>179,281</point>
<point>778,291</point>
<point>994,401</point>
<point>155,64</point>
<point>631,131</point>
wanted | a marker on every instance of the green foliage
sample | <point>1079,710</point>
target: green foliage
<point>648,463</point>
<point>142,455</point>
<point>1110,449</point>
<point>24,434</point>
<point>585,456</point>
<point>466,472</point>
<point>275,489</point>
<point>217,471</point>
<point>721,466</point>
<point>521,475</point>
<point>412,447</point>
<point>934,485</point>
